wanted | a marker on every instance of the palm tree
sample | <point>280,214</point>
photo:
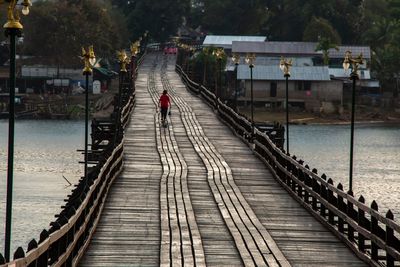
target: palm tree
<point>324,44</point>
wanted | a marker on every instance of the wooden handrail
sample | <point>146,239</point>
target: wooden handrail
<point>80,218</point>
<point>329,204</point>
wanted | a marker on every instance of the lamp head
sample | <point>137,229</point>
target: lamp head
<point>89,60</point>
<point>13,13</point>
<point>282,64</point>
<point>122,59</point>
<point>285,65</point>
<point>250,59</point>
<point>355,62</point>
<point>236,58</point>
<point>25,7</point>
<point>346,61</point>
<point>219,53</point>
<point>92,57</point>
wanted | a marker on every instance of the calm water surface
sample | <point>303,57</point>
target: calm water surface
<point>376,160</point>
<point>44,152</point>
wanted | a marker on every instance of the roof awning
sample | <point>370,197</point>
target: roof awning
<point>105,72</point>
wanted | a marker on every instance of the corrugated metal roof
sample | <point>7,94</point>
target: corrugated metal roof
<point>226,40</point>
<point>355,50</point>
<point>281,48</point>
<point>320,73</point>
<point>274,61</point>
<point>296,48</point>
<point>341,73</point>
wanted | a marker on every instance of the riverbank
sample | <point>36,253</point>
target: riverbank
<point>62,106</point>
<point>303,117</point>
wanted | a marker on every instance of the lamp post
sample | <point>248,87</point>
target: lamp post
<point>219,54</point>
<point>123,61</point>
<point>134,51</point>
<point>355,62</point>
<point>250,58</point>
<point>236,60</point>
<point>13,28</point>
<point>89,60</point>
<point>285,65</point>
<point>206,53</point>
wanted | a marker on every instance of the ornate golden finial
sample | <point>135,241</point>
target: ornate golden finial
<point>219,53</point>
<point>134,49</point>
<point>285,65</point>
<point>250,59</point>
<point>123,60</point>
<point>355,63</point>
<point>89,60</point>
<point>236,59</point>
<point>13,14</point>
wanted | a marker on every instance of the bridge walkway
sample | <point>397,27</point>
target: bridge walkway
<point>194,194</point>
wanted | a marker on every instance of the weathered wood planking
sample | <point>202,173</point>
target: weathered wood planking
<point>129,230</point>
<point>181,244</point>
<point>302,239</point>
<point>219,247</point>
<point>255,245</point>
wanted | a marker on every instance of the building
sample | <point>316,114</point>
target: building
<point>307,86</point>
<point>225,41</point>
<point>311,85</point>
<point>47,79</point>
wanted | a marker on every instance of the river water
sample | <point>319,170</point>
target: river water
<point>376,158</point>
<point>46,150</point>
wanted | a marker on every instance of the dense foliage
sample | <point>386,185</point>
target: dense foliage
<point>331,22</point>
<point>57,29</point>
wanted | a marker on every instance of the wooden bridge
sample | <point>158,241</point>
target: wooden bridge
<point>200,193</point>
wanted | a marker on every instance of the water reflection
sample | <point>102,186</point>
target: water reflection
<point>376,173</point>
<point>44,151</point>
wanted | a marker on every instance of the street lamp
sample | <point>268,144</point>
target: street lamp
<point>13,28</point>
<point>219,54</point>
<point>285,65</point>
<point>89,60</point>
<point>134,51</point>
<point>236,61</point>
<point>355,62</point>
<point>123,60</point>
<point>250,58</point>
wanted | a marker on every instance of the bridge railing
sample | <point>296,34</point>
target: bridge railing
<point>69,235</point>
<point>241,122</point>
<point>373,237</point>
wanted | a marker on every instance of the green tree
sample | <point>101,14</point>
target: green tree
<point>161,18</point>
<point>239,16</point>
<point>55,31</point>
<point>320,29</point>
<point>324,44</point>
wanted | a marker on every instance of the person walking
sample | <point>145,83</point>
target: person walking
<point>164,104</point>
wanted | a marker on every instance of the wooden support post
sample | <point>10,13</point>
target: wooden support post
<point>350,213</point>
<point>340,205</point>
<point>361,222</point>
<point>389,239</point>
<point>374,231</point>
<point>316,189</point>
<point>331,200</point>
<point>323,194</point>
<point>307,183</point>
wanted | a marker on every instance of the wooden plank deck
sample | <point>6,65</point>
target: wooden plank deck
<point>220,206</point>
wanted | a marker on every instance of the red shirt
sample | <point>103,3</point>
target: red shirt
<point>164,101</point>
